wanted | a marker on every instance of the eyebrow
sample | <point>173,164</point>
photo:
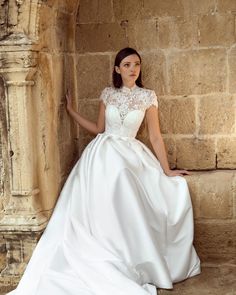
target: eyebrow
<point>128,62</point>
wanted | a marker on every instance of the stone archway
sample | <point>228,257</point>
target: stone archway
<point>37,58</point>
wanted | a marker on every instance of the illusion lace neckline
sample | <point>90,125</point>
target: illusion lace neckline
<point>129,89</point>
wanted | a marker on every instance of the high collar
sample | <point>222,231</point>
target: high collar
<point>127,89</point>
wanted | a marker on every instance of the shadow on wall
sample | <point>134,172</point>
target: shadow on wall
<point>4,156</point>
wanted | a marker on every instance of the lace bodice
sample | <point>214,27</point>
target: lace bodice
<point>125,108</point>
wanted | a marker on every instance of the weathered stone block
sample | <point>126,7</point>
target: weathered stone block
<point>226,5</point>
<point>23,16</point>
<point>53,123</point>
<point>163,8</point>
<point>143,132</point>
<point>232,70</point>
<point>212,194</point>
<point>100,37</point>
<point>48,15</point>
<point>54,39</point>
<point>3,255</point>
<point>195,154</point>
<point>216,195</point>
<point>143,34</point>
<point>199,7</point>
<point>234,197</point>
<point>57,29</point>
<point>165,36</point>
<point>149,8</point>
<point>92,75</point>
<point>193,181</point>
<point>177,32</point>
<point>19,247</point>
<point>69,73</point>
<point>66,5</point>
<point>89,109</point>
<point>154,71</point>
<point>226,153</point>
<point>70,152</point>
<point>28,247</point>
<point>64,30</point>
<point>217,278</point>
<point>217,114</point>
<point>164,112</point>
<point>195,71</point>
<point>95,11</point>
<point>217,30</point>
<point>177,115</point>
<point>3,20</point>
<point>8,284</point>
<point>84,140</point>
<point>127,10</point>
<point>171,151</point>
<point>215,239</point>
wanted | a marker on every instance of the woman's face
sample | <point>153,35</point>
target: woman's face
<point>129,69</point>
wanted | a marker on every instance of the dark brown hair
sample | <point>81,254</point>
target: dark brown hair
<point>116,77</point>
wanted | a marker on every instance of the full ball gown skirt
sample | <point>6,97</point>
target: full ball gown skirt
<point>120,225</point>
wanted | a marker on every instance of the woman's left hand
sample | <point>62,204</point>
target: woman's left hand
<point>177,173</point>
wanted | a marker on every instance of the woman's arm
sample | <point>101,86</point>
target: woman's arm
<point>158,143</point>
<point>92,127</point>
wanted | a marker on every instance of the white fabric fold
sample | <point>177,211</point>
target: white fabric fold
<point>120,225</point>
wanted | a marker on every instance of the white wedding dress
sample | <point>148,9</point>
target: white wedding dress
<point>120,225</point>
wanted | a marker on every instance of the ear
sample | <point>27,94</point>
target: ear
<point>117,69</point>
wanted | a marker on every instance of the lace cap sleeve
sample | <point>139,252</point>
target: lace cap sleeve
<point>152,99</point>
<point>104,95</point>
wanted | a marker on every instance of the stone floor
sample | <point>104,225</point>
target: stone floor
<point>214,280</point>
<point>217,280</point>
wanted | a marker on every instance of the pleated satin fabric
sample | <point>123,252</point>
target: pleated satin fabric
<point>120,225</point>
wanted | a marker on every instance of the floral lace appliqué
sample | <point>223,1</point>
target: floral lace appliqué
<point>126,99</point>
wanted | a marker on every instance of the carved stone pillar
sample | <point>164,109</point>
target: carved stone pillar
<point>22,222</point>
<point>27,28</point>
<point>22,212</point>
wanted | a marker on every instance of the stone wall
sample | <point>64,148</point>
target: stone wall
<point>57,138</point>
<point>38,140</point>
<point>189,58</point>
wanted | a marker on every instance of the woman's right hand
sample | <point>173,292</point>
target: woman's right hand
<point>68,100</point>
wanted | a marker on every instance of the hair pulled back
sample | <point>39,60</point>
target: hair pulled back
<point>116,77</point>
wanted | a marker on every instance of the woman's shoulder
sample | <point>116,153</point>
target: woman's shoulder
<point>105,93</point>
<point>146,90</point>
<point>108,89</point>
<point>149,96</point>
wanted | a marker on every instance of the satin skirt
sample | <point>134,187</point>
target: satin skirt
<point>120,226</point>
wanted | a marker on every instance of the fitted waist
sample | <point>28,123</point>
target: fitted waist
<point>121,131</point>
<point>130,141</point>
<point>118,135</point>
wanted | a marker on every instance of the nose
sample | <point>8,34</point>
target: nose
<point>132,70</point>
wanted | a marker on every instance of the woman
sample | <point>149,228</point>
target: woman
<point>123,223</point>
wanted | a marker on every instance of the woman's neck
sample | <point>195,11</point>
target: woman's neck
<point>129,85</point>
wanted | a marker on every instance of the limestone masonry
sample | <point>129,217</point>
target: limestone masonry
<point>189,58</point>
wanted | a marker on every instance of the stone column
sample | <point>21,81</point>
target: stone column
<point>22,211</point>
